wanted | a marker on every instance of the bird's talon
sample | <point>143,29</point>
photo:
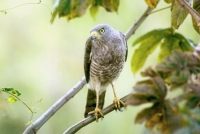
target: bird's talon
<point>96,112</point>
<point>118,103</point>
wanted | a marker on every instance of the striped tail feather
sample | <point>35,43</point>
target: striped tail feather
<point>91,101</point>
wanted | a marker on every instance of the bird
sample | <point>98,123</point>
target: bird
<point>105,55</point>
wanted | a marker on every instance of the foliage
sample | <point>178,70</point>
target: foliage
<point>172,73</point>
<point>14,97</point>
<point>168,41</point>
<point>76,8</point>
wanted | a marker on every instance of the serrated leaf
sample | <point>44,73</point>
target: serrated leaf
<point>147,113</point>
<point>172,63</point>
<point>172,119</point>
<point>178,14</point>
<point>152,3</point>
<point>196,6</point>
<point>179,78</point>
<point>11,99</point>
<point>159,87</point>
<point>152,90</point>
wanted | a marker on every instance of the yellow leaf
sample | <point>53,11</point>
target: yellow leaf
<point>11,99</point>
<point>152,3</point>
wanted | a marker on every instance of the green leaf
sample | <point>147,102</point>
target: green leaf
<point>141,54</point>
<point>196,6</point>
<point>178,14</point>
<point>7,89</point>
<point>174,41</point>
<point>150,35</point>
<point>149,43</point>
<point>193,102</point>
<point>166,38</point>
<point>61,7</point>
<point>184,43</point>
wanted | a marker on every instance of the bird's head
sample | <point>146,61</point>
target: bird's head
<point>101,32</point>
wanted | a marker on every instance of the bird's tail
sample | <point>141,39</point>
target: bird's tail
<point>91,101</point>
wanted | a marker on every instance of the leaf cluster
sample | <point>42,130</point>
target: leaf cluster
<point>178,13</point>
<point>76,8</point>
<point>13,94</point>
<point>167,39</point>
<point>167,115</point>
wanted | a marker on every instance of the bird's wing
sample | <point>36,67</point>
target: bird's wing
<point>125,43</point>
<point>87,58</point>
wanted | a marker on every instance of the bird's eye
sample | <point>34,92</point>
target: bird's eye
<point>101,31</point>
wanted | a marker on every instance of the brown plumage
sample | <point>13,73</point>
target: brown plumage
<point>105,55</point>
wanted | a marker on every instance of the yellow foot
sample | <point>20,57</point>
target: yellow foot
<point>95,112</point>
<point>118,103</point>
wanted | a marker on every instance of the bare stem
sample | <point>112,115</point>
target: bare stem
<point>5,10</point>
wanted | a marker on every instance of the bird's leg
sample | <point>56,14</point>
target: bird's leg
<point>97,109</point>
<point>117,101</point>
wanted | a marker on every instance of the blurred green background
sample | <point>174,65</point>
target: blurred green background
<point>44,61</point>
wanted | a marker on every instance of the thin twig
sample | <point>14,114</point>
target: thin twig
<point>33,128</point>
<point>5,10</point>
<point>159,10</point>
<point>195,15</point>
<point>88,120</point>
<point>32,112</point>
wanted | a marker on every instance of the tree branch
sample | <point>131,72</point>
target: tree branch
<point>138,23</point>
<point>88,120</point>
<point>35,126</point>
<point>195,15</point>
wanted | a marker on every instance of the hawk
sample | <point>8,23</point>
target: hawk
<point>105,54</point>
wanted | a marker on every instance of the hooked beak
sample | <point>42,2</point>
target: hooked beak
<point>94,35</point>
